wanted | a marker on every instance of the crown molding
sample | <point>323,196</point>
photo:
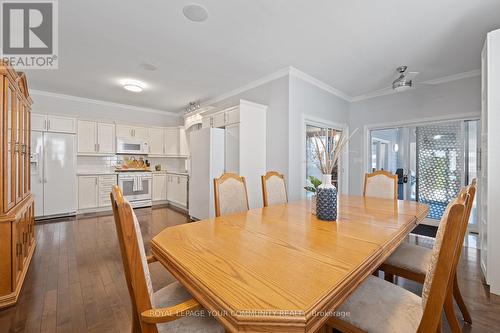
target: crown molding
<point>102,103</point>
<point>320,84</point>
<point>444,79</point>
<point>254,84</point>
<point>454,77</point>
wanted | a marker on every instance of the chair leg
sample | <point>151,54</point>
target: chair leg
<point>389,277</point>
<point>460,301</point>
<point>136,326</point>
<point>450,313</point>
<point>440,326</point>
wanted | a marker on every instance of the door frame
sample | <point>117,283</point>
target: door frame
<point>344,158</point>
<point>411,122</point>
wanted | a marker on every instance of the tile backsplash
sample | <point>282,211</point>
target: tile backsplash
<point>109,163</point>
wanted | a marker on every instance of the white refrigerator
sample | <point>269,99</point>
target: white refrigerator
<point>207,162</point>
<point>53,173</point>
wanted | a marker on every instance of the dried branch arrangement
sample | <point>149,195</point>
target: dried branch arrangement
<point>329,146</point>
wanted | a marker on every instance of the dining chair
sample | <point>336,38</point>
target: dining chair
<point>273,189</point>
<point>381,184</point>
<point>230,192</point>
<point>163,311</point>
<point>380,306</point>
<point>411,261</point>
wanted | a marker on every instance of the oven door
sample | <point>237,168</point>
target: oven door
<point>135,188</point>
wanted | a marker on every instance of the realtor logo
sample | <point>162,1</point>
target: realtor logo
<point>29,34</point>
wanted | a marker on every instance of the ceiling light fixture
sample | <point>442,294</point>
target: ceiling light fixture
<point>133,85</point>
<point>195,12</point>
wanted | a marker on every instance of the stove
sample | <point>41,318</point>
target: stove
<point>136,187</point>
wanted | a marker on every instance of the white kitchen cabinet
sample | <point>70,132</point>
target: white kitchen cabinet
<point>87,137</point>
<point>232,148</point>
<point>157,141</point>
<point>219,119</point>
<point>38,122</point>
<point>172,141</point>
<point>127,131</point>
<point>95,138</point>
<point>206,122</point>
<point>106,138</point>
<point>183,142</point>
<point>93,191</point>
<point>159,187</point>
<point>52,123</point>
<point>105,184</point>
<point>177,189</point>
<point>232,116</point>
<point>88,193</point>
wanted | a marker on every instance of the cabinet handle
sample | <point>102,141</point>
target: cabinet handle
<point>48,127</point>
<point>98,147</point>
<point>45,126</point>
<point>96,181</point>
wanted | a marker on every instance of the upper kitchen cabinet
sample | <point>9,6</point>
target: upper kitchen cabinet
<point>52,123</point>
<point>156,141</point>
<point>127,131</point>
<point>95,138</point>
<point>221,119</point>
<point>183,143</point>
<point>172,141</point>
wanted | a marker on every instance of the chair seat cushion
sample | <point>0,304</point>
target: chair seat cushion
<point>379,306</point>
<point>174,294</point>
<point>411,257</point>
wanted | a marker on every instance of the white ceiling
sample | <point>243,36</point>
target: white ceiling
<point>352,45</point>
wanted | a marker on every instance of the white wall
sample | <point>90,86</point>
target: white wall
<point>308,101</point>
<point>447,100</point>
<point>88,109</point>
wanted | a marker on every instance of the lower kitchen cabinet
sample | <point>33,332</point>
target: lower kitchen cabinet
<point>93,191</point>
<point>177,187</point>
<point>159,187</point>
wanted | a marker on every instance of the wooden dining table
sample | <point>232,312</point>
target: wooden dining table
<point>279,268</point>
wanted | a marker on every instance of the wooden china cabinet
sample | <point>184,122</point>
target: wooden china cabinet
<point>17,228</point>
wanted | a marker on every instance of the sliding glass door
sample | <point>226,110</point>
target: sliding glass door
<point>432,161</point>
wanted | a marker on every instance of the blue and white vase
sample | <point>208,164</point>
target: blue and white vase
<point>326,202</point>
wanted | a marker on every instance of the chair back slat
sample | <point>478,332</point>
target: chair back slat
<point>381,184</point>
<point>273,189</point>
<point>133,257</point>
<point>230,192</point>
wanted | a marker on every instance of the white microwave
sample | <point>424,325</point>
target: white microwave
<point>132,146</point>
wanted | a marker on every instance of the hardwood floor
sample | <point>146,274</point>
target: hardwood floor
<point>76,283</point>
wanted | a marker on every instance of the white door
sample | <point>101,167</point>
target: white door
<point>87,137</point>
<point>60,173</point>
<point>171,188</point>
<point>37,170</point>
<point>156,141</point>
<point>61,124</point>
<point>38,122</point>
<point>106,138</point>
<point>172,141</point>
<point>232,148</point>
<point>124,131</point>
<point>88,192</point>
<point>159,187</point>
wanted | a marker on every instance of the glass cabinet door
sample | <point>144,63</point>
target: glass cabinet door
<point>9,161</point>
<point>19,145</point>
<point>27,149</point>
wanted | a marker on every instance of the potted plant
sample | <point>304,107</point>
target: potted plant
<point>315,183</point>
<point>328,149</point>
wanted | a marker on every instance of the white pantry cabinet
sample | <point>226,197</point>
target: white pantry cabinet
<point>488,190</point>
<point>52,123</point>
<point>95,138</point>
